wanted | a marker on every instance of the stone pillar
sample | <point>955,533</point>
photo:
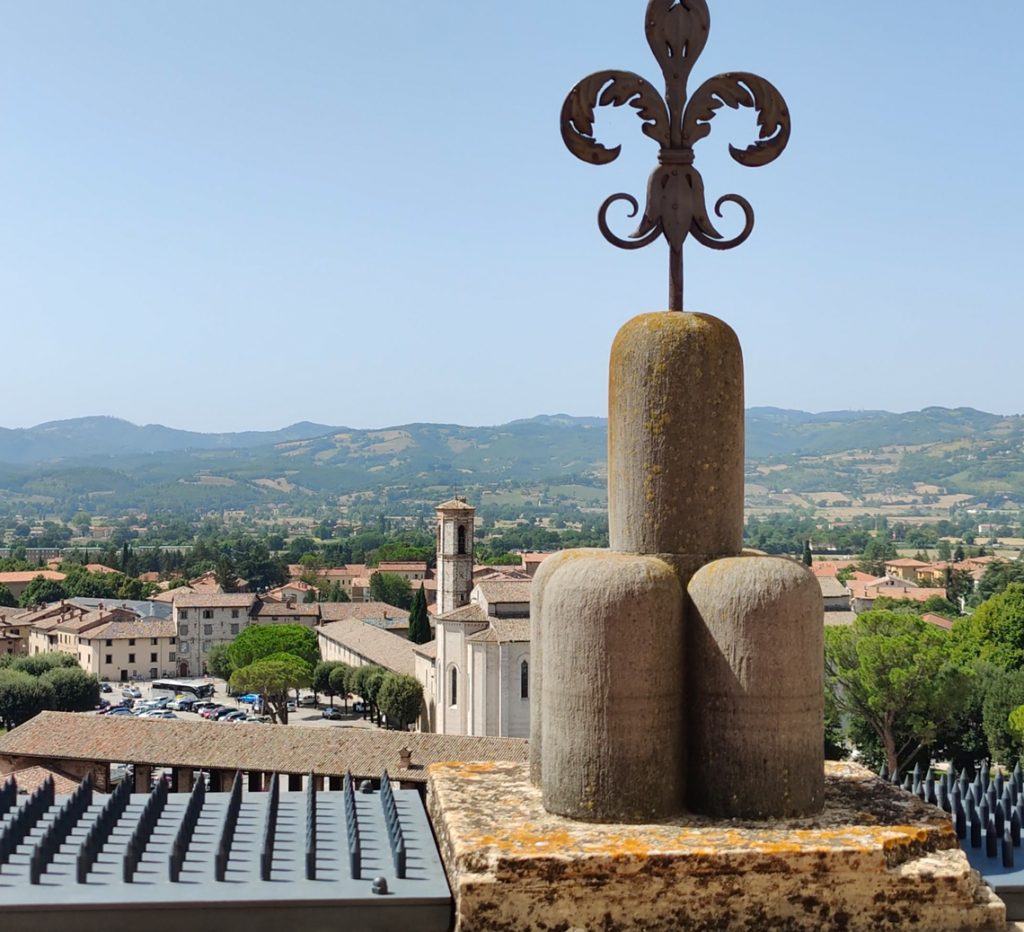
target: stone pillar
<point>318,781</point>
<point>255,781</point>
<point>610,704</point>
<point>754,673</point>
<point>609,632</point>
<point>675,437</point>
<point>142,778</point>
<point>181,780</point>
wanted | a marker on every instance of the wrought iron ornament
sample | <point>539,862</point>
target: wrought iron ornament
<point>677,31</point>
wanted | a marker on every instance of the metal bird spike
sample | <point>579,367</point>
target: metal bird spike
<point>677,31</point>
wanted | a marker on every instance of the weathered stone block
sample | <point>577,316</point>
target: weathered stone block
<point>874,859</point>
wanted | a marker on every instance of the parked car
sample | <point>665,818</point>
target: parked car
<point>181,705</point>
<point>203,705</point>
<point>249,698</point>
<point>236,716</point>
<point>106,688</point>
<point>290,704</point>
<point>132,692</point>
<point>212,710</point>
<point>308,701</point>
<point>220,713</point>
<point>118,710</point>
<point>332,713</point>
<point>360,707</point>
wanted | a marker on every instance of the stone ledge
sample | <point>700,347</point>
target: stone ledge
<point>875,858</point>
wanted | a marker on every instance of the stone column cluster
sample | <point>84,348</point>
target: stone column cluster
<point>674,672</point>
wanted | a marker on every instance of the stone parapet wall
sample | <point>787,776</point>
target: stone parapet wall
<point>875,858</point>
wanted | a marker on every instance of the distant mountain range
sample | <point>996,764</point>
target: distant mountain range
<point>65,462</point>
<point>770,432</point>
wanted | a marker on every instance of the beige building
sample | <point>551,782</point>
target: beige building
<point>358,644</point>
<point>13,633</point>
<point>125,646</point>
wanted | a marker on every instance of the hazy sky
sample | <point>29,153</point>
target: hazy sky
<point>229,214</point>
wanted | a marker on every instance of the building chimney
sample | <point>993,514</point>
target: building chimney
<point>405,758</point>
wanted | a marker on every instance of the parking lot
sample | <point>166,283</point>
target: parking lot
<point>304,715</point>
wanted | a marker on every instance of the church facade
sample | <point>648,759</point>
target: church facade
<point>479,680</point>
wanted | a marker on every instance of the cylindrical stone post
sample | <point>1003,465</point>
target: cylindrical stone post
<point>675,437</point>
<point>610,705</point>
<point>754,676</point>
<point>540,579</point>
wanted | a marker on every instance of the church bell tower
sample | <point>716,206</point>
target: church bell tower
<point>454,554</point>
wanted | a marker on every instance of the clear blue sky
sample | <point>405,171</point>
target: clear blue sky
<point>228,215</point>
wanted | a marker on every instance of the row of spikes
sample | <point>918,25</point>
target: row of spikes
<point>270,828</point>
<point>101,829</point>
<point>396,837</point>
<point>227,835</point>
<point>57,833</point>
<point>8,795</point>
<point>179,847</point>
<point>144,828</point>
<point>25,819</point>
<point>355,849</point>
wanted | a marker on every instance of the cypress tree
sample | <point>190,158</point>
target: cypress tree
<point>419,624</point>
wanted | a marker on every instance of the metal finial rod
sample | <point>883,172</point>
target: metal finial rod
<point>677,31</point>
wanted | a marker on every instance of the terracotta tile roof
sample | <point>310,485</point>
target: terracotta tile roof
<point>348,571</point>
<point>502,590</point>
<point>534,557</point>
<point>267,608</point>
<point>428,650</point>
<point>214,599</point>
<point>100,568</point>
<point>400,566</point>
<point>124,628</point>
<point>28,575</point>
<point>471,613</point>
<point>831,587</point>
<point>367,752</point>
<point>455,504</point>
<point>297,584</point>
<point>31,778</point>
<point>375,644</point>
<point>913,564</point>
<point>937,620</point>
<point>831,567</point>
<point>364,611</point>
<point>511,630</point>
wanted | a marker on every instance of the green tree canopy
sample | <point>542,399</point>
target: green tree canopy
<point>995,632</point>
<point>218,661</point>
<point>400,698</point>
<point>259,641</point>
<point>341,682</point>
<point>272,677</point>
<point>392,589</point>
<point>22,697</point>
<point>7,599</point>
<point>876,552</point>
<point>74,690</point>
<point>893,673</point>
<point>42,591</point>
<point>38,664</point>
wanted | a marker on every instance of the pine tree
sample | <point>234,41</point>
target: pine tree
<point>808,556</point>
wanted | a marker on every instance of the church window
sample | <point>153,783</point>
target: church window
<point>462,538</point>
<point>453,686</point>
<point>524,680</point>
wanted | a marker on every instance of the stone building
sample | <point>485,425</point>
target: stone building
<point>478,682</point>
<point>202,619</point>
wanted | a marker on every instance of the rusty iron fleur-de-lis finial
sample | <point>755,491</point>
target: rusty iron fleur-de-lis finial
<point>677,31</point>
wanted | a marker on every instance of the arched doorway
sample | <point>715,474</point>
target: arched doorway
<point>183,668</point>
